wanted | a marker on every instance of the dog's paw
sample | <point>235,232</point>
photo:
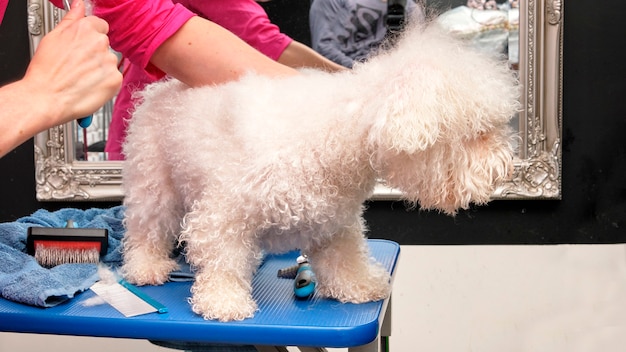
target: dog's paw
<point>370,286</point>
<point>154,271</point>
<point>222,303</point>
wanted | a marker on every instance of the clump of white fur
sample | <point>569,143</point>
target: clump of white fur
<point>266,164</point>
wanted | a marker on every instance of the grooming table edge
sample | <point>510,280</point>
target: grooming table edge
<point>281,319</point>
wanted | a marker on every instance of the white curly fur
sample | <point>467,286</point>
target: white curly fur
<point>272,165</point>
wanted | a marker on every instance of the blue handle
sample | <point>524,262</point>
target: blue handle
<point>85,121</point>
<point>304,283</point>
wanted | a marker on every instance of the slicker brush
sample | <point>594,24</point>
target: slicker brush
<point>52,246</point>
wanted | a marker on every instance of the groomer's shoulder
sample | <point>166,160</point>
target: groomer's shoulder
<point>139,27</point>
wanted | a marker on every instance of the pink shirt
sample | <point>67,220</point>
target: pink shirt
<point>245,18</point>
<point>3,8</point>
<point>138,27</point>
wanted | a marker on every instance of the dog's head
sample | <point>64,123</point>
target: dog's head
<point>450,175</point>
<point>442,135</point>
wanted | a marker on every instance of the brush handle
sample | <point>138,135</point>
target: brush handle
<point>85,121</point>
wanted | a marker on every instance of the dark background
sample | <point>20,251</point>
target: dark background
<point>593,206</point>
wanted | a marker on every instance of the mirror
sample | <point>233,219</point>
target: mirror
<point>63,173</point>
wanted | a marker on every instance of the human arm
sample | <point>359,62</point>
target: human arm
<point>249,21</point>
<point>202,52</point>
<point>299,55</point>
<point>167,38</point>
<point>71,75</point>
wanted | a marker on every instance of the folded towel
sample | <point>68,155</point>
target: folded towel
<point>23,280</point>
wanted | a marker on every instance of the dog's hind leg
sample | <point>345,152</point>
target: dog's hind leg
<point>345,271</point>
<point>223,250</point>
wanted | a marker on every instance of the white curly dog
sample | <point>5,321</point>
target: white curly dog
<point>266,165</point>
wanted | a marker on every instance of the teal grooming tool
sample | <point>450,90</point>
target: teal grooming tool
<point>304,277</point>
<point>160,308</point>
<point>304,283</point>
<point>127,298</point>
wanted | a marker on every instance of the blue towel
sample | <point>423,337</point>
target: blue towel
<point>23,280</point>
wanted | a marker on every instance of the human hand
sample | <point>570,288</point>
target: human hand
<point>73,69</point>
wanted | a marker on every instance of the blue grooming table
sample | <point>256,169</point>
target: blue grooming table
<point>281,320</point>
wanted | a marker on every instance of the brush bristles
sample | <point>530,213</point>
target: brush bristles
<point>52,256</point>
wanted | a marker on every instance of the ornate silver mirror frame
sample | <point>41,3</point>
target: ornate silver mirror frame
<point>537,175</point>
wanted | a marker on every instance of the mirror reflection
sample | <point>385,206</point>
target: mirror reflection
<point>342,35</point>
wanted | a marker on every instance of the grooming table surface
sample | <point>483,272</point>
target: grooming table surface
<point>281,320</point>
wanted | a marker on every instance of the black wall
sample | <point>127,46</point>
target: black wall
<point>593,208</point>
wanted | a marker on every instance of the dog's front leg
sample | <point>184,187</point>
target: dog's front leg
<point>148,244</point>
<point>225,259</point>
<point>346,272</point>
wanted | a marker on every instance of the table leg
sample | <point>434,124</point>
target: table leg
<point>381,343</point>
